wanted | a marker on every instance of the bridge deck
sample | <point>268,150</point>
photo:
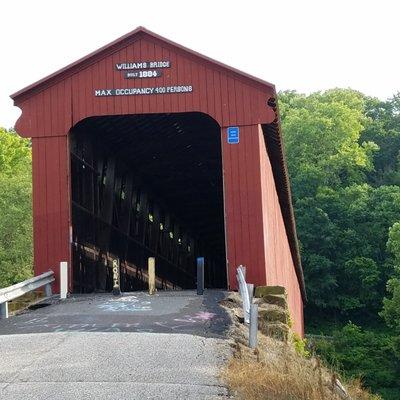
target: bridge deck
<point>164,312</point>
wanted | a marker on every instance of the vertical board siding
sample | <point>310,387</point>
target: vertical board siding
<point>50,204</point>
<point>279,265</point>
<point>243,206</point>
<point>229,100</point>
<point>255,233</point>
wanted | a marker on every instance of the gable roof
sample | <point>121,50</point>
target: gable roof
<point>116,45</point>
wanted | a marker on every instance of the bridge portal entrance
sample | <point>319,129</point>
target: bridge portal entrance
<point>147,185</point>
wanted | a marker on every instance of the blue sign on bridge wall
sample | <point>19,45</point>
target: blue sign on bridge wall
<point>233,134</point>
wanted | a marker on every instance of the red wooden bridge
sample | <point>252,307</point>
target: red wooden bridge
<point>145,148</point>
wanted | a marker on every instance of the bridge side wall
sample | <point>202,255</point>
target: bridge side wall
<point>51,204</point>
<point>280,269</point>
<point>243,206</point>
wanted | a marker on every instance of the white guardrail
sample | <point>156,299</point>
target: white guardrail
<point>12,292</point>
<point>250,310</point>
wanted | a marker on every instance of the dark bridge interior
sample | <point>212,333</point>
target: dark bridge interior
<point>147,186</point>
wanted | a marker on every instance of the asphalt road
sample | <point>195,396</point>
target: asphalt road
<point>112,366</point>
<point>164,312</point>
<point>168,346</point>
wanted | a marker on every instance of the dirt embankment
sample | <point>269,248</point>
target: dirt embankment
<point>280,368</point>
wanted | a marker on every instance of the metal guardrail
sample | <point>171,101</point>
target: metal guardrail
<point>12,292</point>
<point>250,310</point>
<point>244,292</point>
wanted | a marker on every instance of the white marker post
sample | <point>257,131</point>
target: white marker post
<point>152,274</point>
<point>63,279</point>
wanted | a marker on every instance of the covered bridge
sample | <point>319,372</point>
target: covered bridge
<point>146,148</point>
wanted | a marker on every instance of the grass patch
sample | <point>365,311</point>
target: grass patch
<point>279,370</point>
<point>275,371</point>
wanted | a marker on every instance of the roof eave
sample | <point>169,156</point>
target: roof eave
<point>281,174</point>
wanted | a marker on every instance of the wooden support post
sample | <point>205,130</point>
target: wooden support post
<point>108,192</point>
<point>156,229</point>
<point>4,310</point>
<point>200,275</point>
<point>152,274</point>
<point>116,278</point>
<point>167,242</point>
<point>129,198</point>
<point>108,197</point>
<point>143,216</point>
<point>175,249</point>
<point>116,212</point>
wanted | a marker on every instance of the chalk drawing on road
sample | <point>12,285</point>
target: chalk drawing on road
<point>34,321</point>
<point>123,306</point>
<point>115,327</point>
<point>204,315</point>
<point>168,326</point>
<point>201,316</point>
<point>125,299</point>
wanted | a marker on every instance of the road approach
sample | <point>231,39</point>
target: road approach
<point>168,346</point>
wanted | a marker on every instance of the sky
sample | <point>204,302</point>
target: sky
<point>301,45</point>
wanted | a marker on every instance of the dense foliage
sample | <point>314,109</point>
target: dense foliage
<point>343,152</point>
<point>15,209</point>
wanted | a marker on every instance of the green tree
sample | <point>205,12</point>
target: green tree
<point>384,129</point>
<point>342,220</point>
<point>15,152</point>
<point>343,237</point>
<point>365,354</point>
<point>322,133</point>
<point>343,158</point>
<point>391,305</point>
<point>15,209</point>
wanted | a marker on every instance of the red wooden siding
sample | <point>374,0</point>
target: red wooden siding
<point>243,206</point>
<point>51,203</point>
<point>230,100</point>
<point>255,232</point>
<point>278,259</point>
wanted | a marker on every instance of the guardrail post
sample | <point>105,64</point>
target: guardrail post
<point>250,290</point>
<point>47,290</point>
<point>244,293</point>
<point>253,326</point>
<point>63,279</point>
<point>4,310</point>
<point>200,275</point>
<point>151,267</point>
